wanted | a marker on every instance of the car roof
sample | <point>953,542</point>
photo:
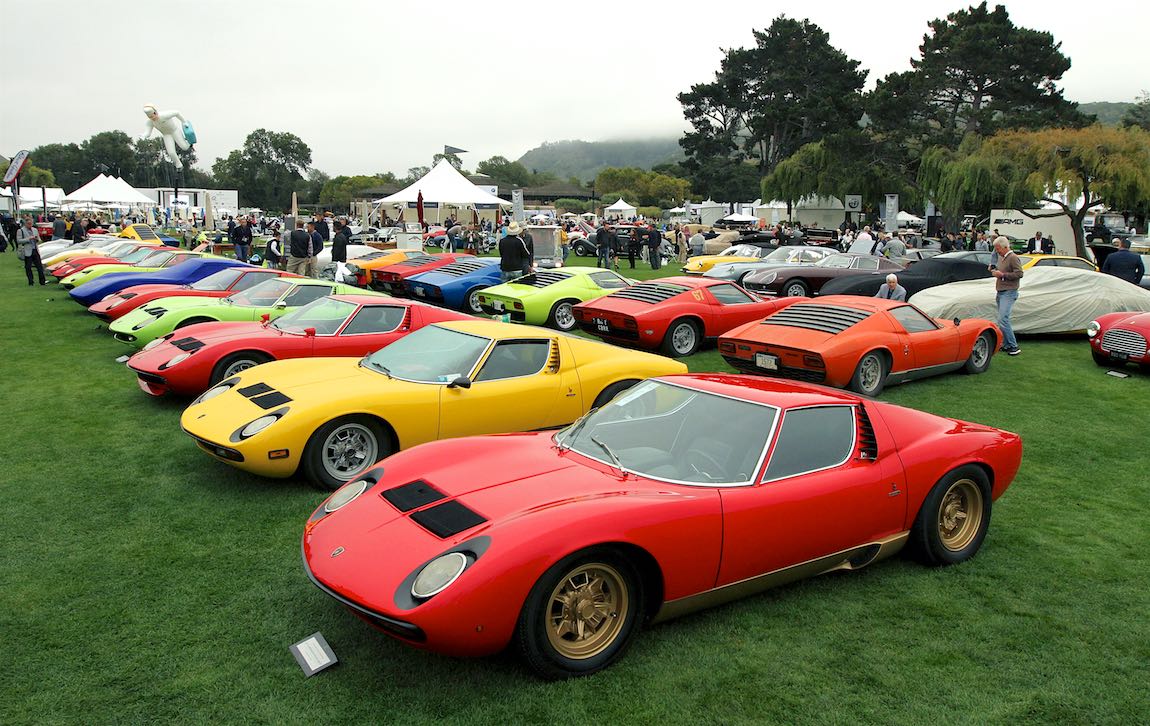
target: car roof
<point>360,299</point>
<point>855,302</point>
<point>498,330</point>
<point>762,389</point>
<point>684,281</point>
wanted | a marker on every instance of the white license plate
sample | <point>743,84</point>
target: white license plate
<point>497,304</point>
<point>768,361</point>
<point>420,291</point>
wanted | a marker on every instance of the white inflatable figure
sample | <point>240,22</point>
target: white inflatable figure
<point>172,127</point>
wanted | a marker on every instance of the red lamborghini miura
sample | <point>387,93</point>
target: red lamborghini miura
<point>218,284</point>
<point>390,278</point>
<point>674,314</point>
<point>681,493</point>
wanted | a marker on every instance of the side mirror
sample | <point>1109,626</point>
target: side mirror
<point>309,332</point>
<point>280,306</point>
<point>460,382</point>
<point>956,322</point>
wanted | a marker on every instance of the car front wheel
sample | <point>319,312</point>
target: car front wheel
<point>580,615</point>
<point>796,288</point>
<point>980,353</point>
<point>341,450</point>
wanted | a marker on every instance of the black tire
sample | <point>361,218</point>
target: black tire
<point>193,321</point>
<point>795,288</point>
<point>232,364</point>
<point>1102,359</point>
<point>316,451</point>
<point>562,317</point>
<point>608,628</point>
<point>980,353</point>
<point>864,381</point>
<point>610,392</point>
<point>471,303</point>
<point>584,250</point>
<point>683,338</point>
<point>953,520</point>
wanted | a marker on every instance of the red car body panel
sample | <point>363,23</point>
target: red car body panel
<point>68,267</point>
<point>541,504</point>
<point>390,278</point>
<point>221,339</point>
<point>120,304</point>
<point>807,353</point>
<point>1122,338</point>
<point>641,315</point>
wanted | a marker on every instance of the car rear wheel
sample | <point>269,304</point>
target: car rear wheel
<point>471,302</point>
<point>341,450</point>
<point>682,339</point>
<point>954,518</point>
<point>562,316</point>
<point>580,615</point>
<point>236,363</point>
<point>796,288</point>
<point>980,353</point>
<point>870,375</point>
<point>610,392</point>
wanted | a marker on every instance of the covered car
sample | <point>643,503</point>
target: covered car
<point>1050,300</point>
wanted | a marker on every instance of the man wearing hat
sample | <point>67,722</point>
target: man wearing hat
<point>513,255</point>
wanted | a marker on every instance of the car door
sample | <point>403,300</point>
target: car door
<point>371,328</point>
<point>813,500</point>
<point>297,296</point>
<point>516,388</point>
<point>929,343</point>
<point>727,309</point>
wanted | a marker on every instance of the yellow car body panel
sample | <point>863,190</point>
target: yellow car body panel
<point>391,258</point>
<point>322,390</point>
<point>701,263</point>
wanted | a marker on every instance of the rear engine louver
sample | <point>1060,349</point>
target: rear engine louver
<point>543,278</point>
<point>831,319</point>
<point>650,293</point>
<point>447,519</point>
<point>416,261</point>
<point>461,268</point>
<point>412,496</point>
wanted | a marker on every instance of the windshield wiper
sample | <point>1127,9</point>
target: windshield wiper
<point>569,439</point>
<point>605,447</point>
<point>365,362</point>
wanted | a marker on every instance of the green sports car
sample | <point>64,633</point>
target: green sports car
<point>153,261</point>
<point>272,298</point>
<point>546,297</point>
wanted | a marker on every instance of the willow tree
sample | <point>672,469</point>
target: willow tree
<point>1075,170</point>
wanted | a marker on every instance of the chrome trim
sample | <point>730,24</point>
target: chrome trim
<point>1130,342</point>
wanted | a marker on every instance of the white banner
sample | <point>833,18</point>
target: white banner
<point>891,216</point>
<point>517,204</point>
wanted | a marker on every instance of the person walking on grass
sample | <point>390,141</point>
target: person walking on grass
<point>28,249</point>
<point>1007,273</point>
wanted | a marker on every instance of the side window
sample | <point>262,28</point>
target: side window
<point>252,278</point>
<point>912,320</point>
<point>375,319</point>
<point>1046,263</point>
<point>866,263</point>
<point>833,427</point>
<point>608,280</point>
<point>304,294</point>
<point>515,358</point>
<point>1076,264</point>
<point>729,295</point>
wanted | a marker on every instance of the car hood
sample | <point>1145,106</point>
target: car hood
<point>215,333</point>
<point>185,302</point>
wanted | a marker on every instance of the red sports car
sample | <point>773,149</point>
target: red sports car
<point>219,284</point>
<point>858,342</point>
<point>126,254</point>
<point>681,493</point>
<point>192,359</point>
<point>674,314</point>
<point>1120,338</point>
<point>390,279</point>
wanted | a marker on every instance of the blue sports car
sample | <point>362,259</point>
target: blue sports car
<point>456,285</point>
<point>191,271</point>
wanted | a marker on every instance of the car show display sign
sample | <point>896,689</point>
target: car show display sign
<point>313,654</point>
<point>891,216</point>
<point>15,167</point>
<point>517,204</point>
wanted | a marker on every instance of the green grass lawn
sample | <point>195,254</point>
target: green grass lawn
<point>142,581</point>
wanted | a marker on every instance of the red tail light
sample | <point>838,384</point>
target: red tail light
<point>630,324</point>
<point>814,361</point>
<point>518,306</point>
<point>726,347</point>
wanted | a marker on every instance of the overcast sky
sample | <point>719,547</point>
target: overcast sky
<point>382,86</point>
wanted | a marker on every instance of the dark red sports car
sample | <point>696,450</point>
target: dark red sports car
<point>219,284</point>
<point>1120,338</point>
<point>190,360</point>
<point>681,493</point>
<point>390,279</point>
<point>674,314</point>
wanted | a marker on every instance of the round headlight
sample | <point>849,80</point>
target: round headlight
<point>258,425</point>
<point>768,278</point>
<point>345,495</point>
<point>153,344</point>
<point>1093,328</point>
<point>438,574</point>
<point>212,393</point>
<point>178,359</point>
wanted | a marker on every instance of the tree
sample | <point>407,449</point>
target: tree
<point>1076,169</point>
<point>414,174</point>
<point>110,152</point>
<point>65,161</point>
<point>34,176</point>
<point>266,170</point>
<point>512,173</point>
<point>452,159</point>
<point>340,190</point>
<point>1139,114</point>
<point>642,187</point>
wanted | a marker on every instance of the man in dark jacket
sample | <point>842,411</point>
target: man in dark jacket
<point>603,246</point>
<point>59,228</point>
<point>654,245</point>
<point>241,237</point>
<point>1124,264</point>
<point>302,250</point>
<point>339,243</point>
<point>513,256</point>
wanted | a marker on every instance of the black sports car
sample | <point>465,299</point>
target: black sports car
<point>938,270</point>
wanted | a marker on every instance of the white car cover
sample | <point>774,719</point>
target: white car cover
<point>1050,299</point>
<point>353,251</point>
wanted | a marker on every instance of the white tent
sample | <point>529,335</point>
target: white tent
<point>908,217</point>
<point>740,218</point>
<point>621,208</point>
<point>676,210</point>
<point>109,189</point>
<point>36,196</point>
<point>443,185</point>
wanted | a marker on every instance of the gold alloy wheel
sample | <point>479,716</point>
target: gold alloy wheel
<point>586,611</point>
<point>960,515</point>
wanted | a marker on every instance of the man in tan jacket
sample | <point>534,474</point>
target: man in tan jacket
<point>1007,274</point>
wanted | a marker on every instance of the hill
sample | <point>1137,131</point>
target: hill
<point>584,159</point>
<point>1109,113</point>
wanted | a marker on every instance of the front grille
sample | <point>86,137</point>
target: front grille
<point>151,378</point>
<point>826,318</point>
<point>1129,342</point>
<point>806,375</point>
<point>222,452</point>
<point>462,267</point>
<point>650,292</point>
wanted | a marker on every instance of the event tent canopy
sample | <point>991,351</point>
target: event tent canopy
<point>620,206</point>
<point>908,217</point>
<point>740,218</point>
<point>443,185</point>
<point>109,189</point>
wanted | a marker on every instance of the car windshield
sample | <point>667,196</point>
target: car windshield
<point>785,254</point>
<point>131,255</point>
<point>155,259</point>
<point>429,355</point>
<point>740,251</point>
<point>217,281</point>
<point>263,294</point>
<point>326,315</point>
<point>664,431</point>
<point>839,261</point>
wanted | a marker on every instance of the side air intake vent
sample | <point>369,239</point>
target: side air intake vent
<point>412,496</point>
<point>868,444</point>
